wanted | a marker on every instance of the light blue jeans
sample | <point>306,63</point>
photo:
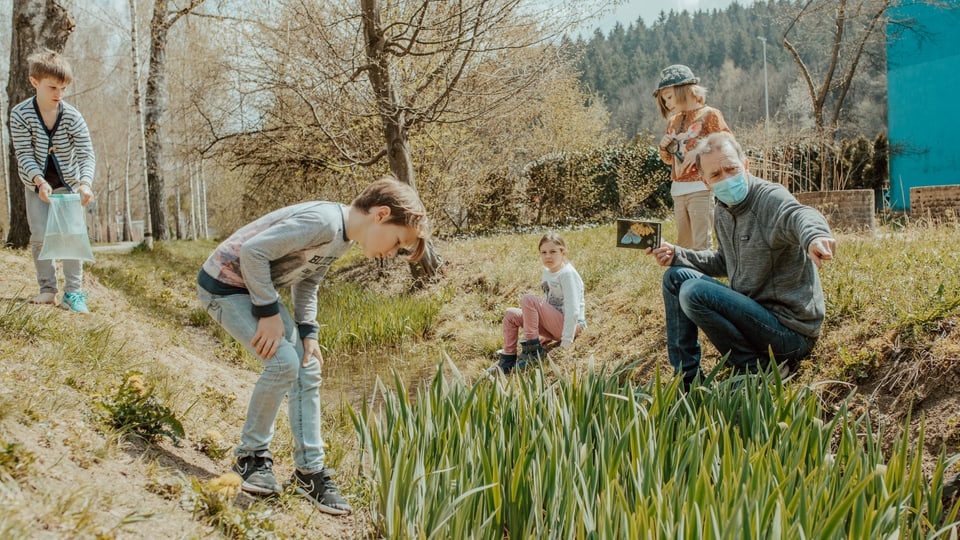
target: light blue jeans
<point>37,211</point>
<point>282,375</point>
<point>734,323</point>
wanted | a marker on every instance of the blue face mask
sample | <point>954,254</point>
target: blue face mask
<point>733,190</point>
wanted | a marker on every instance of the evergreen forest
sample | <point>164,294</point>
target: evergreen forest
<point>725,48</point>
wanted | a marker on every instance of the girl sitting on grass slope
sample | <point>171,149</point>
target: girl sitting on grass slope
<point>559,315</point>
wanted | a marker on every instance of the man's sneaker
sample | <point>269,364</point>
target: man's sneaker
<point>319,488</point>
<point>257,474</point>
<point>75,301</point>
<point>44,298</point>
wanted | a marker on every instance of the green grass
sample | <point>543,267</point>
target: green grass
<point>162,281</point>
<point>906,280</point>
<point>352,317</point>
<point>17,321</point>
<point>592,457</point>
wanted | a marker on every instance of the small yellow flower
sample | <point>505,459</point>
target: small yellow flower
<point>135,381</point>
<point>227,484</point>
<point>213,435</point>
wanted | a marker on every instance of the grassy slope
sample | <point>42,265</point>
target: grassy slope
<point>890,337</point>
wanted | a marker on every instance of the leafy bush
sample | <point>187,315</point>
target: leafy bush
<point>596,184</point>
<point>134,409</point>
<point>498,202</point>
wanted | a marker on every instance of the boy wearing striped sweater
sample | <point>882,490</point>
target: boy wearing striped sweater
<point>54,155</point>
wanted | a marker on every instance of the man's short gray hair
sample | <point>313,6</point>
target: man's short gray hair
<point>716,141</point>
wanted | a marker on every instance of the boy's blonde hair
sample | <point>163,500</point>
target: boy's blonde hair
<point>682,94</point>
<point>46,63</point>
<point>405,209</point>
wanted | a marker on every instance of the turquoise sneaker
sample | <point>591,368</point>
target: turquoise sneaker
<point>75,301</point>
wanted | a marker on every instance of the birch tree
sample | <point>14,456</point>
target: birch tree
<point>165,14</point>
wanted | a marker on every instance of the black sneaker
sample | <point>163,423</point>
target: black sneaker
<point>257,474</point>
<point>319,488</point>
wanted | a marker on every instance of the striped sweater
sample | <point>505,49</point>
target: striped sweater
<point>71,142</point>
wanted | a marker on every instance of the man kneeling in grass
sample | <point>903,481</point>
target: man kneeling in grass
<point>769,248</point>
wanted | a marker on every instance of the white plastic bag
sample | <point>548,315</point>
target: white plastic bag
<point>66,236</point>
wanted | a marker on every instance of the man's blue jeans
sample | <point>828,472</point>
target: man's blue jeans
<point>282,375</point>
<point>733,322</point>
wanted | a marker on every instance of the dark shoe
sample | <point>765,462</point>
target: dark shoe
<point>319,488</point>
<point>507,362</point>
<point>690,379</point>
<point>531,352</point>
<point>257,474</point>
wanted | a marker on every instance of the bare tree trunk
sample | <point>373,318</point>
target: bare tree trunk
<point>109,205</point>
<point>156,105</point>
<point>194,195</point>
<point>36,24</point>
<point>395,129</point>
<point>138,105</point>
<point>179,217</point>
<point>203,204</point>
<point>116,219</point>
<point>836,79</point>
<point>5,179</point>
<point>127,233</point>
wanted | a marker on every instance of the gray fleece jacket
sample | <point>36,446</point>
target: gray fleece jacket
<point>762,250</point>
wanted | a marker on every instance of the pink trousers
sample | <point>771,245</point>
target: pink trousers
<point>538,319</point>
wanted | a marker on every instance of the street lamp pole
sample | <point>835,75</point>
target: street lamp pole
<point>766,90</point>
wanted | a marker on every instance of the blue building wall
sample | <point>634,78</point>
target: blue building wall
<point>923,81</point>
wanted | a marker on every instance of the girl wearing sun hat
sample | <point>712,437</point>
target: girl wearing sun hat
<point>681,101</point>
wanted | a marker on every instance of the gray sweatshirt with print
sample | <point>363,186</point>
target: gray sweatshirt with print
<point>762,250</point>
<point>290,247</point>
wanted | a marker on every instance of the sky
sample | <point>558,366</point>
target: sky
<point>628,11</point>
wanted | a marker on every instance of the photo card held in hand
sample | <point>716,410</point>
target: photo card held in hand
<point>637,234</point>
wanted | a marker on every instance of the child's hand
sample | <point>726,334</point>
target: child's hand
<point>44,190</point>
<point>666,140</point>
<point>269,334</point>
<point>86,194</point>
<point>311,349</point>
